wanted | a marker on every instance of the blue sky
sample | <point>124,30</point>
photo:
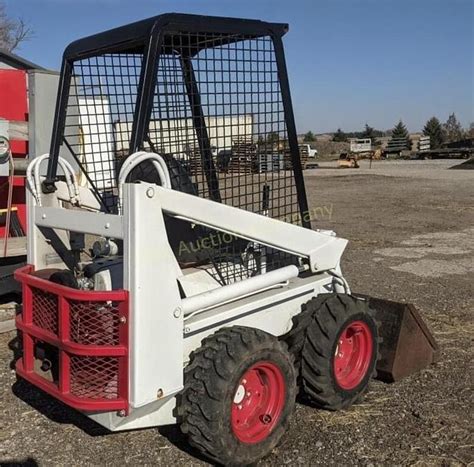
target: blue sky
<point>349,61</point>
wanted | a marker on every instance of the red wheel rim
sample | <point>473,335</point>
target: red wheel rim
<point>353,355</point>
<point>258,402</point>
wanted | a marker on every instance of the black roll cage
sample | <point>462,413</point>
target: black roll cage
<point>148,37</point>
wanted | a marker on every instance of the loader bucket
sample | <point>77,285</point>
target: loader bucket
<point>407,344</point>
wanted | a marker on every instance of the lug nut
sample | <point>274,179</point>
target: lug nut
<point>265,419</point>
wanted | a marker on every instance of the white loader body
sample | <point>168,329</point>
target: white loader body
<point>164,327</point>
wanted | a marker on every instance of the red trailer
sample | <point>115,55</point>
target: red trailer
<point>21,84</point>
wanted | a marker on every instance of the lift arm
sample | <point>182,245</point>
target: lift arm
<point>323,250</point>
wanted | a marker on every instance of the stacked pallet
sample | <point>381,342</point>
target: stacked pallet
<point>303,157</point>
<point>194,161</point>
<point>244,156</point>
<point>270,157</point>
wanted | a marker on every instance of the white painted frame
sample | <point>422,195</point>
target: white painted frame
<point>160,339</point>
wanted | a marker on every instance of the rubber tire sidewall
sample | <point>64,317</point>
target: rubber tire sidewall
<point>245,453</point>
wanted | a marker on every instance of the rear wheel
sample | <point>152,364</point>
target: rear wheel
<point>335,343</point>
<point>239,392</point>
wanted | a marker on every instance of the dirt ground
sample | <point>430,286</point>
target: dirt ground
<point>411,232</point>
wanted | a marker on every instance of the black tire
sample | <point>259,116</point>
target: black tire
<point>295,338</point>
<point>313,341</point>
<point>211,384</point>
<point>64,277</point>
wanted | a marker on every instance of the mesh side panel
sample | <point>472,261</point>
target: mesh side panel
<point>94,323</point>
<point>94,377</point>
<point>45,306</point>
<point>99,117</point>
<point>238,91</point>
<point>220,113</point>
<point>217,111</point>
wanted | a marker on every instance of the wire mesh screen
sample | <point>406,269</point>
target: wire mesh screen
<point>218,110</point>
<point>217,117</point>
<point>102,100</point>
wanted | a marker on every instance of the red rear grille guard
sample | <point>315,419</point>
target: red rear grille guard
<point>89,329</point>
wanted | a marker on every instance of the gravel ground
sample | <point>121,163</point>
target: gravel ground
<point>411,231</point>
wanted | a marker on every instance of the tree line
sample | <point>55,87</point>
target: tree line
<point>438,132</point>
<point>15,31</point>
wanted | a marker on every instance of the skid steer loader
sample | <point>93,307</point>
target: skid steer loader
<point>162,288</point>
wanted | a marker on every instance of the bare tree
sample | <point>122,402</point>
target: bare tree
<point>470,130</point>
<point>12,31</point>
<point>453,128</point>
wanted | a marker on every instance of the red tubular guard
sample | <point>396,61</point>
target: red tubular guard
<point>89,329</point>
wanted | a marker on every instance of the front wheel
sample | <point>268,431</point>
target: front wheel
<point>239,393</point>
<point>335,343</point>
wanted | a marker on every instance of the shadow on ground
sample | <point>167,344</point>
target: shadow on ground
<point>174,435</point>
<point>55,410</point>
